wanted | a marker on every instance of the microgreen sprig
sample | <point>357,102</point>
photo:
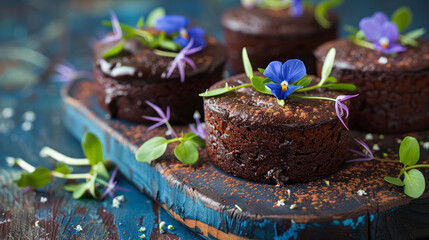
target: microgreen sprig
<point>41,176</point>
<point>409,154</point>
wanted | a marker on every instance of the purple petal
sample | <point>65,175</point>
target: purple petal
<point>122,189</point>
<point>154,126</point>
<point>293,70</point>
<point>297,8</point>
<point>194,50</point>
<point>112,177</point>
<point>364,146</point>
<point>390,31</point>
<point>156,108</point>
<point>104,193</point>
<point>173,66</point>
<point>64,69</point>
<point>371,29</point>
<point>155,119</point>
<point>393,48</point>
<point>358,153</point>
<point>380,17</point>
<point>181,72</point>
<point>111,194</point>
<point>339,114</point>
<point>115,24</point>
<point>359,160</point>
<point>167,117</point>
<point>274,72</point>
<point>190,62</point>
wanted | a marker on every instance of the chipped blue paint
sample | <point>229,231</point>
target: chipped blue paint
<point>350,222</point>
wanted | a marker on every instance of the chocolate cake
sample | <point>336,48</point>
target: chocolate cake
<point>250,136</point>
<point>393,90</point>
<point>274,35</point>
<point>124,82</point>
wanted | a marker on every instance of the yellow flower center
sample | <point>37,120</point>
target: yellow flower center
<point>384,42</point>
<point>184,33</point>
<point>284,86</point>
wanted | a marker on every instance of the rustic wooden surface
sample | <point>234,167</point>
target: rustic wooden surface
<point>205,198</point>
<point>61,213</point>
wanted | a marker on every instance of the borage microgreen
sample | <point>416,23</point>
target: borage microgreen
<point>297,8</point>
<point>290,80</point>
<point>384,35</point>
<point>186,151</point>
<point>41,176</point>
<point>409,154</point>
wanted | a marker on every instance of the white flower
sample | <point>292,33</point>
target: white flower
<point>361,192</point>
<point>78,228</point>
<point>327,182</point>
<point>116,203</point>
<point>27,126</point>
<point>293,206</point>
<point>10,161</point>
<point>36,224</point>
<point>29,116</point>
<point>7,112</point>
<point>280,203</point>
<point>369,136</point>
<point>382,60</point>
<point>161,225</point>
<point>120,198</point>
<point>170,227</point>
<point>43,199</point>
<point>426,145</point>
<point>376,147</point>
<point>142,229</point>
<point>142,236</point>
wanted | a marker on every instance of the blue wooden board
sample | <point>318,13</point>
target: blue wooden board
<point>204,198</point>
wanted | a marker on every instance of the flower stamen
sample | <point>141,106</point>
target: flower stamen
<point>384,42</point>
<point>284,86</point>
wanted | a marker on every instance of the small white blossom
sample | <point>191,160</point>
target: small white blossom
<point>170,227</point>
<point>288,192</point>
<point>376,147</point>
<point>27,126</point>
<point>36,224</point>
<point>120,198</point>
<point>10,161</point>
<point>238,207</point>
<point>142,236</point>
<point>382,60</point>
<point>399,141</point>
<point>43,199</point>
<point>7,112</point>
<point>293,206</point>
<point>280,203</point>
<point>361,192</point>
<point>116,203</point>
<point>426,145</point>
<point>369,136</point>
<point>161,225</point>
<point>78,228</point>
<point>142,229</point>
<point>29,116</point>
<point>327,182</point>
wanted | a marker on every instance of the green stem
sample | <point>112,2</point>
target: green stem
<point>170,128</point>
<point>165,53</point>
<point>417,166</point>
<point>240,86</point>
<point>30,168</point>
<point>49,152</point>
<point>174,140</point>
<point>102,181</point>
<point>312,97</point>
<point>308,88</point>
<point>25,165</point>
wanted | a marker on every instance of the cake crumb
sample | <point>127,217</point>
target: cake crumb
<point>382,60</point>
<point>361,192</point>
<point>369,136</point>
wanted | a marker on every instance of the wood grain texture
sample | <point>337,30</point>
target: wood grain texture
<point>59,216</point>
<point>203,196</point>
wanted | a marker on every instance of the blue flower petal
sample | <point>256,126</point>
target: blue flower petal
<point>293,70</point>
<point>297,8</point>
<point>371,29</point>
<point>171,23</point>
<point>290,89</point>
<point>276,90</point>
<point>181,41</point>
<point>274,72</point>
<point>197,34</point>
<point>380,18</point>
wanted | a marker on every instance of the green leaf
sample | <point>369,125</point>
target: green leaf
<point>101,170</point>
<point>320,13</point>
<point>195,139</point>
<point>261,70</point>
<point>394,180</point>
<point>402,17</point>
<point>168,45</point>
<point>80,189</point>
<point>92,148</point>
<point>327,66</point>
<point>62,168</point>
<point>340,86</point>
<point>259,84</point>
<point>140,22</point>
<point>414,183</point>
<point>410,37</point>
<point>114,50</point>
<point>186,152</point>
<point>40,177</point>
<point>409,151</point>
<point>152,149</point>
<point>351,29</point>
<point>154,15</point>
<point>247,65</point>
<point>215,92</point>
<point>332,79</point>
<point>360,42</point>
<point>304,82</point>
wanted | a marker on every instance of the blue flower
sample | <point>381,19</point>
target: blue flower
<point>175,24</point>
<point>284,74</point>
<point>297,8</point>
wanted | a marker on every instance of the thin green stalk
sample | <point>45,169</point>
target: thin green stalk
<point>386,160</point>
<point>170,128</point>
<point>312,97</point>
<point>417,166</point>
<point>49,152</point>
<point>71,175</point>
<point>164,53</point>
<point>241,86</point>
<point>24,165</point>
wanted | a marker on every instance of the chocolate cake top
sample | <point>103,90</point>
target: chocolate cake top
<point>249,105</point>
<point>352,56</point>
<point>137,62</point>
<point>272,22</point>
